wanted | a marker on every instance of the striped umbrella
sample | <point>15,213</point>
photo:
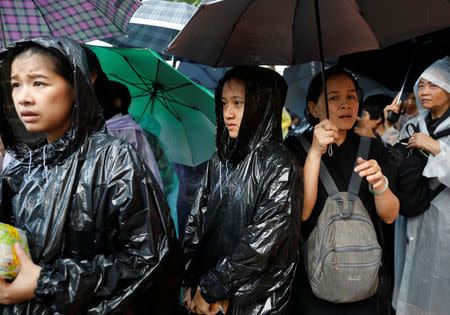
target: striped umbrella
<point>81,20</point>
<point>154,25</point>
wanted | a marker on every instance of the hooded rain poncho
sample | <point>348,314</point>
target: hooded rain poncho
<point>423,244</point>
<point>241,238</point>
<point>96,220</point>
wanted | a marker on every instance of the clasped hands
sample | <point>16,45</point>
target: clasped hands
<point>198,305</point>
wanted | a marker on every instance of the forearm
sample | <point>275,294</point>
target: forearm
<point>433,147</point>
<point>310,183</point>
<point>387,206</point>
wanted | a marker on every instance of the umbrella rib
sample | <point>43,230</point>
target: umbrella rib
<point>167,106</point>
<point>172,99</point>
<point>3,32</point>
<point>136,85</point>
<point>146,106</point>
<point>176,87</point>
<point>139,76</point>
<point>229,35</point>
<point>157,71</point>
<point>293,31</point>
<point>105,16</point>
<point>42,15</point>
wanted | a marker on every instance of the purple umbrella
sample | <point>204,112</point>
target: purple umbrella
<point>81,20</point>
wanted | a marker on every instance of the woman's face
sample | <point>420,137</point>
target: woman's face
<point>233,102</point>
<point>43,99</point>
<point>368,121</point>
<point>410,104</point>
<point>432,96</point>
<point>343,102</point>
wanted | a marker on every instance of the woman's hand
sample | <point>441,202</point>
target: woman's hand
<point>200,306</point>
<point>325,133</point>
<point>22,288</point>
<point>393,107</point>
<point>386,203</point>
<point>420,140</point>
<point>187,298</point>
<point>372,172</point>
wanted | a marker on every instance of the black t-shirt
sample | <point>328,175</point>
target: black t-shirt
<point>432,124</point>
<point>341,165</point>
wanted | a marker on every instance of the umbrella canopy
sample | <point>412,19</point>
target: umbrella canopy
<point>232,32</point>
<point>81,20</point>
<point>204,75</point>
<point>389,66</point>
<point>154,25</point>
<point>183,109</point>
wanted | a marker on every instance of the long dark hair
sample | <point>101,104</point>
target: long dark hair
<point>264,88</point>
<point>101,83</point>
<point>316,89</point>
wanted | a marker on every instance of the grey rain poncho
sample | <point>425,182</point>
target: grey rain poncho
<point>242,236</point>
<point>96,220</point>
<point>425,244</point>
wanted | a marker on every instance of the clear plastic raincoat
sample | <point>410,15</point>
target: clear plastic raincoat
<point>96,220</point>
<point>124,127</point>
<point>241,238</point>
<point>425,276</point>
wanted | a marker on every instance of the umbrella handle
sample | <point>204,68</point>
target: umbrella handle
<point>411,61</point>
<point>322,66</point>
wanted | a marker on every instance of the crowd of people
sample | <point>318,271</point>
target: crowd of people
<point>347,216</point>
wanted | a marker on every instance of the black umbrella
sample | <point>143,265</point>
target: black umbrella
<point>389,65</point>
<point>232,32</point>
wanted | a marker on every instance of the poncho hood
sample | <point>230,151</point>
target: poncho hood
<point>265,93</point>
<point>438,73</point>
<point>87,117</point>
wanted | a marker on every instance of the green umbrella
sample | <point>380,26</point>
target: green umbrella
<point>183,109</point>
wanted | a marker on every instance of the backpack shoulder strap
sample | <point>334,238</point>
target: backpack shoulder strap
<point>324,174</point>
<point>363,151</point>
<point>442,133</point>
<point>355,180</point>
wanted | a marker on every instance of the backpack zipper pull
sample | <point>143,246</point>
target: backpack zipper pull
<point>335,263</point>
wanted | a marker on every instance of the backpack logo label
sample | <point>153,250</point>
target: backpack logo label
<point>354,278</point>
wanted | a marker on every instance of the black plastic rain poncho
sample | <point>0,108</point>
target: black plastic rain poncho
<point>96,220</point>
<point>241,240</point>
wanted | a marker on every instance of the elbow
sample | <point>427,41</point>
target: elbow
<point>389,220</point>
<point>391,215</point>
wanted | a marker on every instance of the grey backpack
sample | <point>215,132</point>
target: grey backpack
<point>342,253</point>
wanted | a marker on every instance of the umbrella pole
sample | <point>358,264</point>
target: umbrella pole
<point>152,100</point>
<point>322,65</point>
<point>411,62</point>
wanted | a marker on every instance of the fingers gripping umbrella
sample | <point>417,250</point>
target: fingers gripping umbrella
<point>82,20</point>
<point>184,110</point>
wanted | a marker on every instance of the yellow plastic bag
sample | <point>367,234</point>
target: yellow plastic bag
<point>9,264</point>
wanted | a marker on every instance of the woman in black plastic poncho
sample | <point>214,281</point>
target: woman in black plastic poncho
<point>242,234</point>
<point>99,229</point>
